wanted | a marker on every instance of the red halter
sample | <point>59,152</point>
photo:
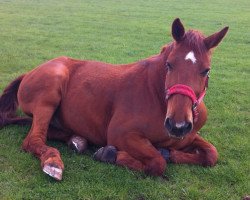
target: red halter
<point>187,91</point>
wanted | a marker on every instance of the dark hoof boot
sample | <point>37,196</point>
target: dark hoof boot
<point>165,154</point>
<point>77,144</point>
<point>106,154</point>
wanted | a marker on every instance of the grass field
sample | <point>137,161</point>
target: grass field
<point>34,31</point>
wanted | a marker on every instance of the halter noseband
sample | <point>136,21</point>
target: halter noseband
<point>189,92</point>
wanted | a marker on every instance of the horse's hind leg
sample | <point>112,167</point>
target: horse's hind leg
<point>34,143</point>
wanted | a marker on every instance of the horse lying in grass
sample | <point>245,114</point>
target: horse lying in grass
<point>144,114</point>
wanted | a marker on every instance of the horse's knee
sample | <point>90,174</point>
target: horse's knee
<point>156,166</point>
<point>211,157</point>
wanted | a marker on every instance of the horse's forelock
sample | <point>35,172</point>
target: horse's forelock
<point>195,40</point>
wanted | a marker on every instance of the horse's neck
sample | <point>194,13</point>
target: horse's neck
<point>155,75</point>
<point>156,66</point>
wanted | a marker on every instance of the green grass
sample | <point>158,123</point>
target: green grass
<point>34,31</point>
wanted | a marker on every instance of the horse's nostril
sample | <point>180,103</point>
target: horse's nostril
<point>168,124</point>
<point>188,127</point>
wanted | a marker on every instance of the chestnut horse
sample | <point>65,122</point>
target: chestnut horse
<point>144,114</point>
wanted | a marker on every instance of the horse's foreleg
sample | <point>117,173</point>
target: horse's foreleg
<point>109,154</point>
<point>199,152</point>
<point>34,143</point>
<point>126,160</point>
<point>138,153</point>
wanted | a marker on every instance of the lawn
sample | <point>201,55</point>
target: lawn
<point>115,31</point>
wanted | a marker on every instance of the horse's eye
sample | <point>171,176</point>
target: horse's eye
<point>168,66</point>
<point>205,72</point>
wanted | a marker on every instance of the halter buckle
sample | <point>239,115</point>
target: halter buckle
<point>195,105</point>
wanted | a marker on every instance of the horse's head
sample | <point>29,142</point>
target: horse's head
<point>188,66</point>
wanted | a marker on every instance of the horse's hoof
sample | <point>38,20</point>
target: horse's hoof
<point>246,197</point>
<point>53,171</point>
<point>165,154</point>
<point>106,154</point>
<point>77,144</point>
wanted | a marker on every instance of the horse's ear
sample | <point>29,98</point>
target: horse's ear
<point>213,40</point>
<point>178,30</point>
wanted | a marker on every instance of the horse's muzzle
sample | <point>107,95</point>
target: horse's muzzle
<point>178,130</point>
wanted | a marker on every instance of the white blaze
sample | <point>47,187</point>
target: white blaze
<point>190,56</point>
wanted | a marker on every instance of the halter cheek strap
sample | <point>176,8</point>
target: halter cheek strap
<point>187,91</point>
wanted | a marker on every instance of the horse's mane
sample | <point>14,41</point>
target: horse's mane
<point>195,40</point>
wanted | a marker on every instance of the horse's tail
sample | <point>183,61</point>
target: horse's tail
<point>9,105</point>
